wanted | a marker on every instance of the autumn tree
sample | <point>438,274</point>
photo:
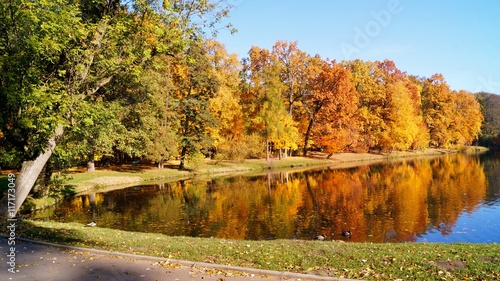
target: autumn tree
<point>404,126</point>
<point>372,100</point>
<point>389,116</point>
<point>331,107</point>
<point>228,134</point>
<point>265,102</point>
<point>62,56</point>
<point>468,118</point>
<point>294,71</point>
<point>438,110</point>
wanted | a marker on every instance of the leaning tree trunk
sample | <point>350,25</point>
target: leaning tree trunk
<point>27,177</point>
<point>318,107</point>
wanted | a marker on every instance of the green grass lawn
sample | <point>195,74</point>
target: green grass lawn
<point>388,261</point>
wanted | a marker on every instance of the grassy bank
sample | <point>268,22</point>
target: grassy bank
<point>115,177</point>
<point>406,261</point>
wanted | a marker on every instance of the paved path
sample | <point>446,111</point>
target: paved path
<point>45,261</point>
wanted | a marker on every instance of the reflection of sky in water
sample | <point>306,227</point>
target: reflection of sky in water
<point>480,226</point>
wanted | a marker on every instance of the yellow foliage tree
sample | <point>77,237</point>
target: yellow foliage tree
<point>225,105</point>
<point>468,118</point>
<point>438,110</point>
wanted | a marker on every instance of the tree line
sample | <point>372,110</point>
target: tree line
<point>108,80</point>
<point>301,101</point>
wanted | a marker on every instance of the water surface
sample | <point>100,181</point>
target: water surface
<point>453,198</point>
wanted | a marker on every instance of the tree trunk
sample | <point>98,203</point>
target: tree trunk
<point>267,149</point>
<point>91,163</point>
<point>308,133</point>
<point>47,174</point>
<point>183,158</point>
<point>28,176</point>
<point>318,107</point>
<point>91,166</point>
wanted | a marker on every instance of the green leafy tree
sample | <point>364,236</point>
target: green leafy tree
<point>196,85</point>
<point>265,104</point>
<point>372,103</point>
<point>490,109</point>
<point>95,136</point>
<point>59,57</point>
<point>35,44</point>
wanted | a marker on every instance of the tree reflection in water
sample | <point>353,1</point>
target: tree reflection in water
<point>380,203</point>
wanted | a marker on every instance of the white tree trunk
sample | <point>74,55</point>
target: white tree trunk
<point>28,176</point>
<point>91,166</point>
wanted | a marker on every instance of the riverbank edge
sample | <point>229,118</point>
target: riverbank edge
<point>108,179</point>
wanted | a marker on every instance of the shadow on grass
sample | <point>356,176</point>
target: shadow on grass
<point>125,168</point>
<point>26,229</point>
<point>37,261</point>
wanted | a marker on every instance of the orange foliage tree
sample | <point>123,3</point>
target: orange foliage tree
<point>355,106</point>
<point>331,107</point>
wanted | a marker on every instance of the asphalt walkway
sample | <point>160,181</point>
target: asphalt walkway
<point>45,261</point>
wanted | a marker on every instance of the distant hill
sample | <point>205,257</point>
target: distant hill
<point>490,104</point>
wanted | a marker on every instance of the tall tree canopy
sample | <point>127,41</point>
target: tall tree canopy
<point>61,58</point>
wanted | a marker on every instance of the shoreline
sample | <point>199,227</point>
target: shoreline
<point>120,177</point>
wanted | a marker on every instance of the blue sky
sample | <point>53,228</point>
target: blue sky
<point>459,39</point>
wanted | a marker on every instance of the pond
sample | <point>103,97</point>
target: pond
<point>454,198</point>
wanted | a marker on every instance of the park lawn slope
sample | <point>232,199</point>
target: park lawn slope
<point>388,261</point>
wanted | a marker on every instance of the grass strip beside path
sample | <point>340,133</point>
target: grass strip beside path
<point>388,261</point>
